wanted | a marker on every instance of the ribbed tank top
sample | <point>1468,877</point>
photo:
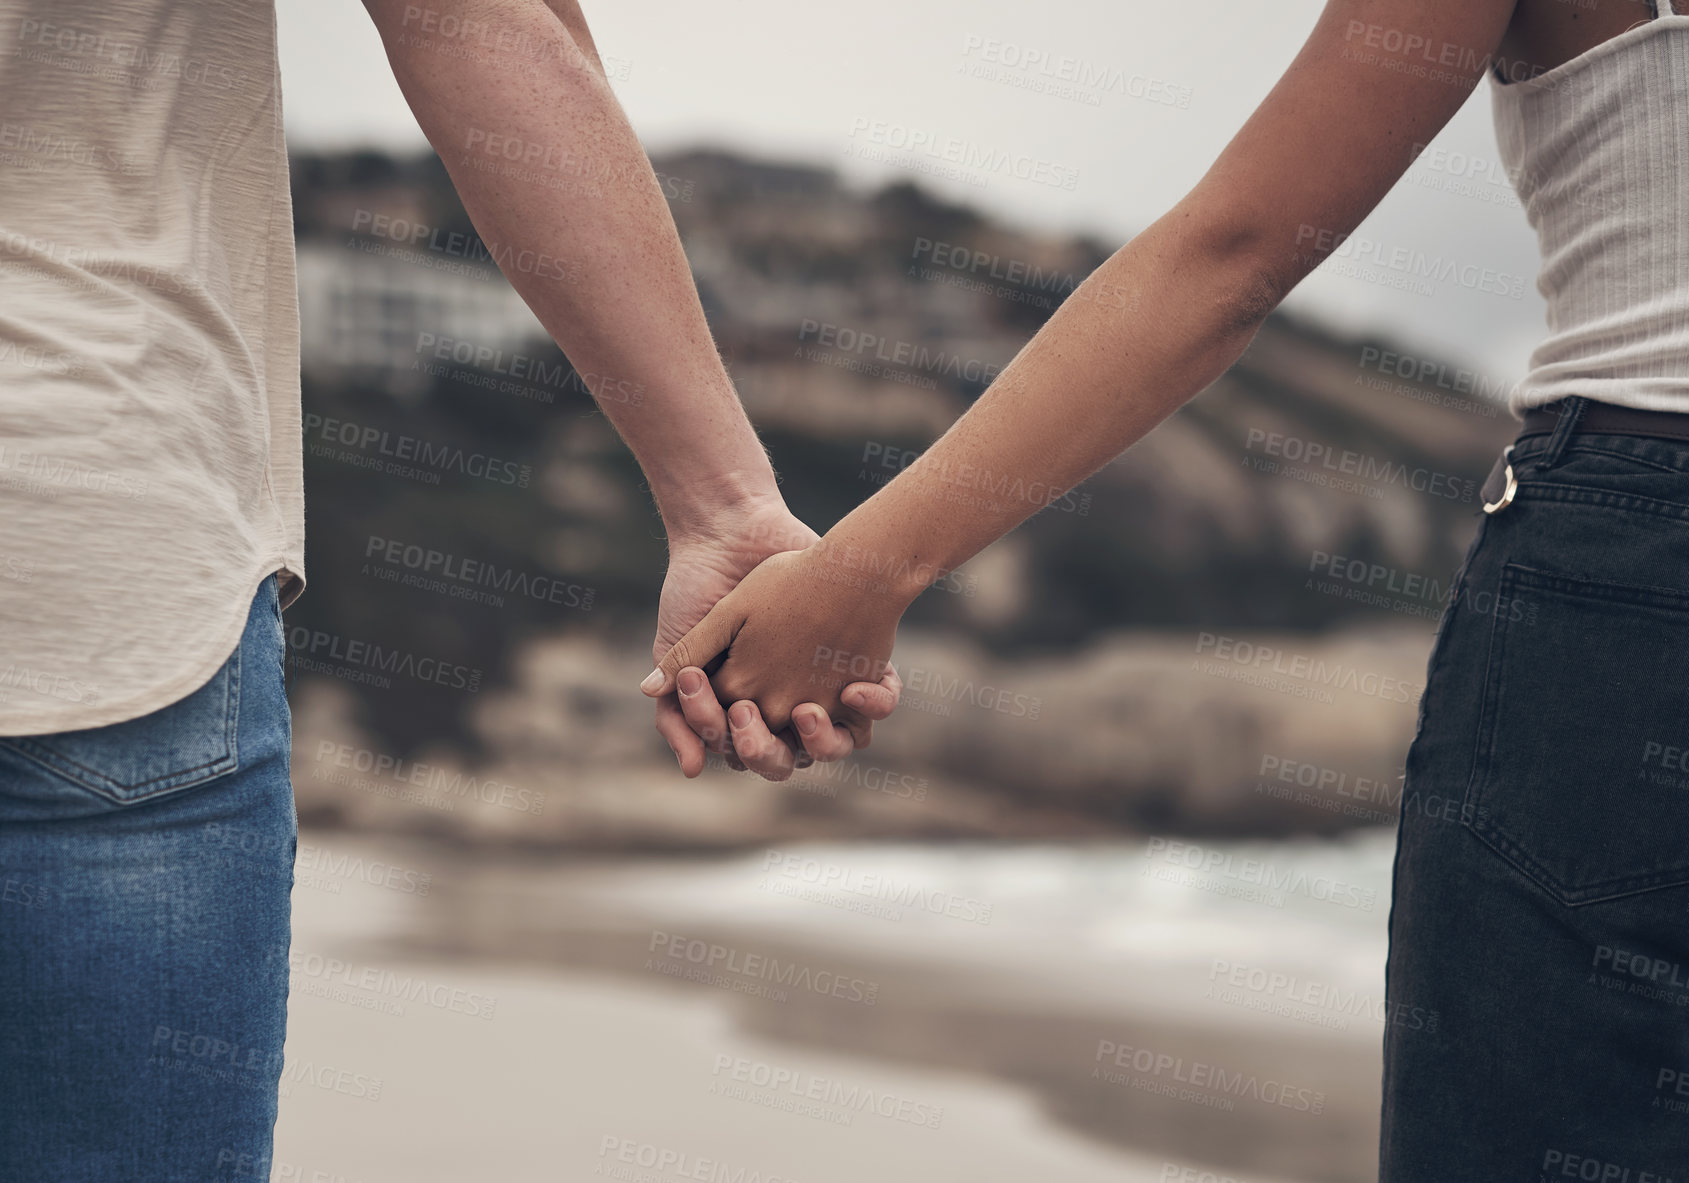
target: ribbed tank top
<point>1598,149</point>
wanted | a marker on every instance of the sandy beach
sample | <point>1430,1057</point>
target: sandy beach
<point>824,1015</point>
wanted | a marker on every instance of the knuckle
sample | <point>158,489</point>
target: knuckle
<point>751,748</point>
<point>861,729</point>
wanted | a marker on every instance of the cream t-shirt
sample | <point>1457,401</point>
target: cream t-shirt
<point>149,351</point>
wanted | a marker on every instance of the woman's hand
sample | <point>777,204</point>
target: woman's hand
<point>799,629</point>
<point>702,569</point>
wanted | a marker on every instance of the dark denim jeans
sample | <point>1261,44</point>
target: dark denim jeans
<point>1547,919</point>
<point>145,874</point>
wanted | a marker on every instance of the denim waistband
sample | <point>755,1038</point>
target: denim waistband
<point>1663,453</point>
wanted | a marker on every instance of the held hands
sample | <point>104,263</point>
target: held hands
<point>702,570</point>
<point>798,630</point>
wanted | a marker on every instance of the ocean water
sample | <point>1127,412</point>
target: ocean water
<point>1158,923</point>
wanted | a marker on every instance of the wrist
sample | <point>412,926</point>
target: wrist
<point>882,575</point>
<point>719,506</point>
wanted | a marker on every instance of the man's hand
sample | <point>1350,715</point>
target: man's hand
<point>702,569</point>
<point>802,632</point>
<point>616,282</point>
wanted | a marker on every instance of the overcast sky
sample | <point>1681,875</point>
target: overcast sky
<point>789,80</point>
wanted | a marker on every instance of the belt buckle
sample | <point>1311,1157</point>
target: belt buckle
<point>1506,499</point>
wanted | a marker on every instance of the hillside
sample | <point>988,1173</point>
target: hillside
<point>1321,493</point>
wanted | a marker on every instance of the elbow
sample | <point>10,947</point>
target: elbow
<point>1251,277</point>
<point>1250,294</point>
<point>1245,272</point>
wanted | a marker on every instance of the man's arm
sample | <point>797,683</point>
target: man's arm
<point>1153,326</point>
<point>512,95</point>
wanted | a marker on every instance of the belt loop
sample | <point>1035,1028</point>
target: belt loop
<point>1571,410</point>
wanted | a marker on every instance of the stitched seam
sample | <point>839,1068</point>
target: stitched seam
<point>1514,575</point>
<point>98,782</point>
<point>1615,454</point>
<point>1555,491</point>
<point>1577,585</point>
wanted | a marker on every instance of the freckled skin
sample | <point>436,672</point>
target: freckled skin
<point>513,96</point>
<point>1153,326</point>
<point>1159,321</point>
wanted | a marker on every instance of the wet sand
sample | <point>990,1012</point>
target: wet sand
<point>535,1019</point>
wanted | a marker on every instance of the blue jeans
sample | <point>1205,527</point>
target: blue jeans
<point>145,873</point>
<point>1541,903</point>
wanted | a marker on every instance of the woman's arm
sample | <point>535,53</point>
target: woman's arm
<point>1155,324</point>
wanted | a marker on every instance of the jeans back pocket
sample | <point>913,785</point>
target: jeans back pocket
<point>191,741</point>
<point>1581,776</point>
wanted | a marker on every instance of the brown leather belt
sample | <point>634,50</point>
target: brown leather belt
<point>1610,419</point>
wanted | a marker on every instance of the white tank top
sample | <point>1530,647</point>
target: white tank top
<point>1598,149</point>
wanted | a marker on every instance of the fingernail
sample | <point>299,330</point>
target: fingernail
<point>741,714</point>
<point>653,681</point>
<point>691,682</point>
<point>806,723</point>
